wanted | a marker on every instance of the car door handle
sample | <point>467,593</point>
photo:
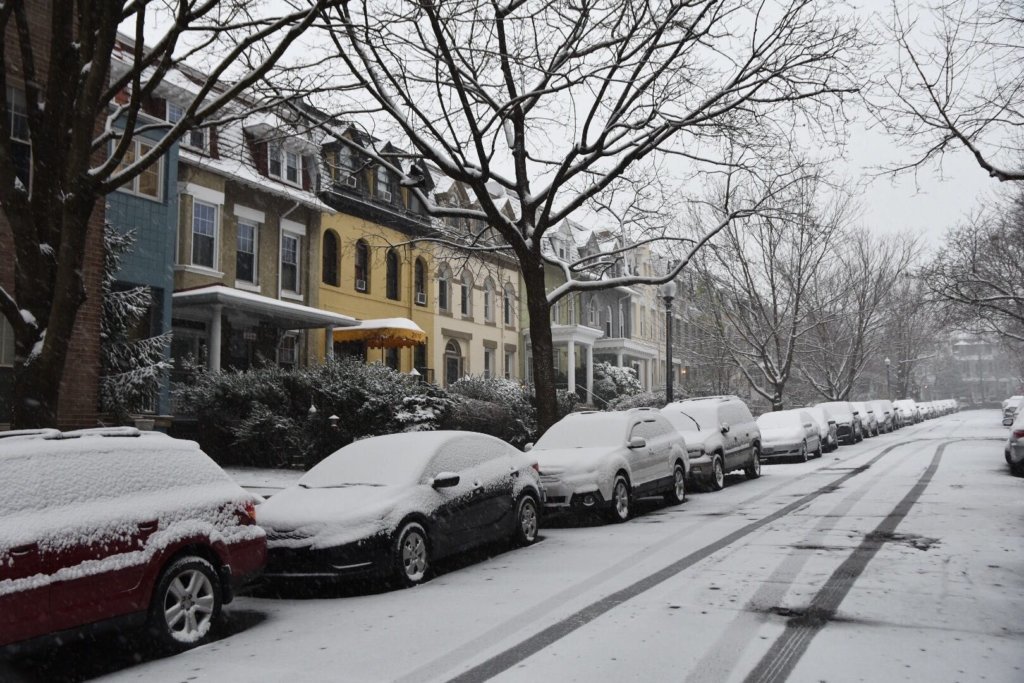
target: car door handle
<point>23,550</point>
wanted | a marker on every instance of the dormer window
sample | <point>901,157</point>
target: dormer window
<point>383,184</point>
<point>194,138</point>
<point>284,164</point>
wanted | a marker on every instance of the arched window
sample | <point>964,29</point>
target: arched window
<point>362,266</point>
<point>331,260</point>
<point>420,281</point>
<point>592,314</point>
<point>391,266</point>
<point>488,300</point>
<point>453,364</point>
<point>444,288</point>
<point>466,299</point>
<point>508,306</point>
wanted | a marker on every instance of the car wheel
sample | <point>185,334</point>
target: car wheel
<point>717,481</point>
<point>677,494</point>
<point>186,604</point>
<point>753,470</point>
<point>411,555</point>
<point>620,508</point>
<point>527,520</point>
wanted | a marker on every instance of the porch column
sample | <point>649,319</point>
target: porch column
<point>214,340</point>
<point>329,342</point>
<point>590,373</point>
<point>571,362</point>
<point>618,359</point>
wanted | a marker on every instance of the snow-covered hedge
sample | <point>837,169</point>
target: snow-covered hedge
<point>611,383</point>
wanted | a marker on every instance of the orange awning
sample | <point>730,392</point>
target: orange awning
<point>383,333</point>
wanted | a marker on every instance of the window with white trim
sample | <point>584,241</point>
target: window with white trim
<point>488,363</point>
<point>245,258</point>
<point>466,307</point>
<point>194,138</point>
<point>149,182</point>
<point>444,279</point>
<point>290,262</point>
<point>510,364</point>
<point>204,234</point>
<point>21,141</point>
<point>488,301</point>
<point>284,164</point>
<point>507,306</point>
<point>6,343</point>
<point>288,351</point>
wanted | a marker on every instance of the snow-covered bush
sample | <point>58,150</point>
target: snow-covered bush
<point>495,406</point>
<point>647,399</point>
<point>612,382</point>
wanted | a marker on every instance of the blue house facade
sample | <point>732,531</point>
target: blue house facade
<point>148,207</point>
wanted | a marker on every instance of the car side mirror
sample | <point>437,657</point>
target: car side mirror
<point>725,427</point>
<point>637,442</point>
<point>445,480</point>
<point>528,447</point>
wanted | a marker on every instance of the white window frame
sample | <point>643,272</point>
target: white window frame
<point>466,297</point>
<point>17,105</point>
<point>216,235</point>
<point>510,363</point>
<point>444,289</point>
<point>254,283</point>
<point>132,187</point>
<point>286,234</point>
<point>488,301</point>
<point>277,152</point>
<point>295,349</point>
<point>6,344</point>
<point>188,139</point>
<point>507,314</point>
<point>488,363</point>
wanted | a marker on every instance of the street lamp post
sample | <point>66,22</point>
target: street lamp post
<point>668,293</point>
<point>888,385</point>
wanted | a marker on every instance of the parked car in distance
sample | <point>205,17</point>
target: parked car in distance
<point>604,460</point>
<point>116,528</point>
<point>387,507</point>
<point>1011,407</point>
<point>789,433</point>
<point>826,428</point>
<point>907,410</point>
<point>866,414</point>
<point>721,436</point>
<point>1014,450</point>
<point>884,415</point>
<point>848,427</point>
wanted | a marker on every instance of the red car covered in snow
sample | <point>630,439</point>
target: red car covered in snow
<point>116,527</point>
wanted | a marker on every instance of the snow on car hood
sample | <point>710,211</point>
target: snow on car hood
<point>571,459</point>
<point>781,436</point>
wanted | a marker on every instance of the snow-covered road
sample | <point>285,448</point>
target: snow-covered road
<point>900,558</point>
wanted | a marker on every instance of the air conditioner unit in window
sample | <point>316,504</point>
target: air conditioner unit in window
<point>352,181</point>
<point>360,285</point>
<point>421,298</point>
<point>385,195</point>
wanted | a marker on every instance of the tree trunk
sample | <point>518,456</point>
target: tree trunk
<point>541,345</point>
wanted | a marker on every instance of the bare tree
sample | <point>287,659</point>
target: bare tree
<point>912,332</point>
<point>959,83</point>
<point>978,274</point>
<point>558,103</point>
<point>759,274</point>
<point>79,116</point>
<point>850,306</point>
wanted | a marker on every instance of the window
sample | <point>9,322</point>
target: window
<point>420,277</point>
<point>452,362</point>
<point>391,358</point>
<point>444,279</point>
<point>21,141</point>
<point>330,270</point>
<point>510,364</point>
<point>608,321</point>
<point>283,164</point>
<point>622,321</point>
<point>488,363</point>
<point>570,304</point>
<point>383,184</point>
<point>245,255</point>
<point>391,274</point>
<point>194,138</point>
<point>6,343</point>
<point>148,182</point>
<point>362,266</point>
<point>592,314</point>
<point>419,359</point>
<point>466,303</point>
<point>488,301</point>
<point>289,262</point>
<point>288,351</point>
<point>507,306</point>
<point>204,234</point>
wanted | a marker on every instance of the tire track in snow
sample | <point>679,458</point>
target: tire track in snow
<point>510,657</point>
<point>784,654</point>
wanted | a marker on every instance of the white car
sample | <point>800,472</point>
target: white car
<point>1011,408</point>
<point>789,433</point>
<point>866,415</point>
<point>604,460</point>
<point>884,415</point>
<point>827,430</point>
<point>907,411</point>
<point>1014,451</point>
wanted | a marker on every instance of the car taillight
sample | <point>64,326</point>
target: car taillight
<point>1018,433</point>
<point>247,514</point>
<point>536,467</point>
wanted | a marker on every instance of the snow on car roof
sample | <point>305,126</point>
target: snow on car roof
<point>780,418</point>
<point>587,429</point>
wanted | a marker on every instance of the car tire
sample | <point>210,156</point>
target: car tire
<point>821,450</point>
<point>527,520</point>
<point>716,482</point>
<point>621,504</point>
<point>753,470</point>
<point>677,494</point>
<point>186,604</point>
<point>410,555</point>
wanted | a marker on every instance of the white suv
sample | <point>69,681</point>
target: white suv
<point>721,436</point>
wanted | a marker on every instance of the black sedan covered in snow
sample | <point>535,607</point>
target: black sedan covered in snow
<point>388,506</point>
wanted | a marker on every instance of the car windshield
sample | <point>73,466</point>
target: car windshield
<point>838,409</point>
<point>584,431</point>
<point>778,421</point>
<point>375,462</point>
<point>706,416</point>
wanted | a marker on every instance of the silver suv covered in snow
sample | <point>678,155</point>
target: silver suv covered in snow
<point>721,436</point>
